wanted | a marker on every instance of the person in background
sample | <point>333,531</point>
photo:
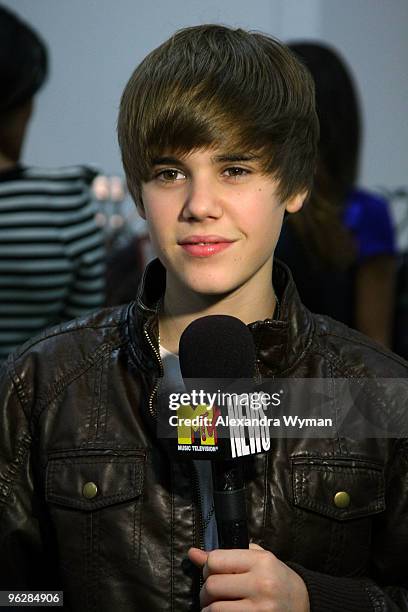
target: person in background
<point>340,247</point>
<point>51,250</point>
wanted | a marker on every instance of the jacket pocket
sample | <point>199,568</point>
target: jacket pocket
<point>341,490</point>
<point>94,482</point>
<point>95,502</point>
<point>335,501</point>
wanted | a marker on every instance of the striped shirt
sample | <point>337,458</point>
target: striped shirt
<point>52,256</point>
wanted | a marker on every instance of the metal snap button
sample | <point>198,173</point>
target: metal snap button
<point>342,499</point>
<point>89,490</point>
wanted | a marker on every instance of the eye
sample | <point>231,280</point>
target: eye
<point>169,175</point>
<point>236,172</point>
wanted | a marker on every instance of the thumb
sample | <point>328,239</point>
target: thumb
<point>197,556</point>
<point>254,546</point>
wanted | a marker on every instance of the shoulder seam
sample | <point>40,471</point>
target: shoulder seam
<point>377,349</point>
<point>61,332</point>
<point>52,392</point>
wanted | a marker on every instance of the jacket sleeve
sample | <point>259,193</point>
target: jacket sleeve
<point>386,589</point>
<point>24,562</point>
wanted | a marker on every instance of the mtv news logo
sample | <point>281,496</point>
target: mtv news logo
<point>197,428</point>
<point>202,418</point>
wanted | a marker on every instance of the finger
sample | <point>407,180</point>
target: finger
<point>230,606</point>
<point>220,587</point>
<point>254,546</point>
<point>197,556</point>
<point>235,561</point>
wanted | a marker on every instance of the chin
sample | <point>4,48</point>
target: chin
<point>212,287</point>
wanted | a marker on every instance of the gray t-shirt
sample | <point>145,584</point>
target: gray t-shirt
<point>173,381</point>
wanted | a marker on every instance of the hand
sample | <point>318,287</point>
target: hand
<point>248,580</point>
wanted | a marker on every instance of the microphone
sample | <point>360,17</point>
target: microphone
<point>219,351</point>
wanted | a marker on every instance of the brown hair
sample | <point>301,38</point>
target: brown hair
<point>320,225</point>
<point>212,86</point>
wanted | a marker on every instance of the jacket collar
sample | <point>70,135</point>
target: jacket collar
<point>280,343</point>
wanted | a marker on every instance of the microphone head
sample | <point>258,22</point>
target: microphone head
<point>217,347</point>
<point>217,361</point>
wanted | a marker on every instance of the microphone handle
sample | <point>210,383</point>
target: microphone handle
<point>230,503</point>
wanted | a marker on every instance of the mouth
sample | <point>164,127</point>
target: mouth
<point>205,246</point>
<point>205,240</point>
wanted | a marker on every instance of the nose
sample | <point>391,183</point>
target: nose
<point>203,201</point>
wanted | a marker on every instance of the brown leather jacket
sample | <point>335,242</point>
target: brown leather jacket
<point>78,407</point>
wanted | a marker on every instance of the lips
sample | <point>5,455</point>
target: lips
<point>205,246</point>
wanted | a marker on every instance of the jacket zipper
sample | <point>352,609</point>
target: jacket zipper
<point>194,473</point>
<point>157,381</point>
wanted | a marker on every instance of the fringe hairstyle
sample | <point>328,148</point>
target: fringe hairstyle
<point>212,86</point>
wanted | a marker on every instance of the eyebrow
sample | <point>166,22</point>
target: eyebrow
<point>228,157</point>
<point>236,157</point>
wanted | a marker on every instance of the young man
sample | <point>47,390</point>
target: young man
<point>218,135</point>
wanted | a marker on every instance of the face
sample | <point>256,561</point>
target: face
<point>214,221</point>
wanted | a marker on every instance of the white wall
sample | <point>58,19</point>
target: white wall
<point>95,44</point>
<point>373,36</point>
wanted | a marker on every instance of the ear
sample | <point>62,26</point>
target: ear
<point>295,203</point>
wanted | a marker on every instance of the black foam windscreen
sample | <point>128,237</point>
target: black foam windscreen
<point>217,346</point>
<point>220,351</point>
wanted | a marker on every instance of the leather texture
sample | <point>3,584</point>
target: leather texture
<point>79,406</point>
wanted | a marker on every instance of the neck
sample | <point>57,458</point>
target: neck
<point>6,163</point>
<point>246,303</point>
<point>13,127</point>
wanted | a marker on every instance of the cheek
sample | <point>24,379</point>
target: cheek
<point>161,212</point>
<point>156,218</point>
<point>264,224</point>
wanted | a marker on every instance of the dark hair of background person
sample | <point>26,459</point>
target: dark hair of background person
<point>23,61</point>
<point>341,246</point>
<point>23,71</point>
<point>319,223</point>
